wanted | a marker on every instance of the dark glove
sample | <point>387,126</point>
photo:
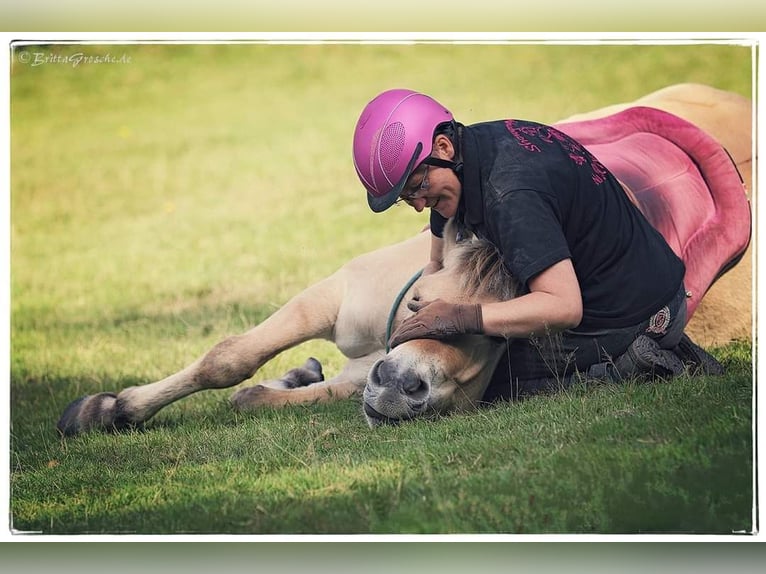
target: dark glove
<point>438,319</point>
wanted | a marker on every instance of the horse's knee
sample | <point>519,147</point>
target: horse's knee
<point>225,365</point>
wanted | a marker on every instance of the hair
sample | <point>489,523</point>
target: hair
<point>448,129</point>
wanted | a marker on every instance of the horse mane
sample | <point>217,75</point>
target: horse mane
<point>479,267</point>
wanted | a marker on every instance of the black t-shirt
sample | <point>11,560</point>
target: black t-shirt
<point>541,197</point>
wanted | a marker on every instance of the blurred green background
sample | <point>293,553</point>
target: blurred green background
<point>182,178</point>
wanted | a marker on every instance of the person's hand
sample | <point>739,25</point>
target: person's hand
<point>438,319</point>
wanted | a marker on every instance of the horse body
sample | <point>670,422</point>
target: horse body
<point>351,307</point>
<point>725,313</point>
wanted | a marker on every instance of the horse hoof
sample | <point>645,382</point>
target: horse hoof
<point>314,366</point>
<point>273,392</point>
<point>92,411</point>
<point>248,398</point>
<point>309,373</point>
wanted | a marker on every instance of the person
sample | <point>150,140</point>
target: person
<point>602,292</point>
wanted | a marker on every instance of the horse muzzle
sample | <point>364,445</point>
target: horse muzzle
<point>394,392</point>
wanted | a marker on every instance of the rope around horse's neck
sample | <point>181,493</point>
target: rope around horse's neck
<point>395,307</point>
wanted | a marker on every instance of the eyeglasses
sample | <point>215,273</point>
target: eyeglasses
<point>413,195</point>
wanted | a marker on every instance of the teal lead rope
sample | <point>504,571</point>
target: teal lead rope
<point>397,302</point>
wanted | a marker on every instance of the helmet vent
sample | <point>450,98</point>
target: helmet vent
<point>391,146</point>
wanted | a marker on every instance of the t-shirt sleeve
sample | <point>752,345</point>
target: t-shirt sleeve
<point>438,224</point>
<point>529,231</point>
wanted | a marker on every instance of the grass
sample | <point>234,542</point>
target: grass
<point>631,458</point>
<point>162,204</point>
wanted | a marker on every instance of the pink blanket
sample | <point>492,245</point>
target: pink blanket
<point>683,181</point>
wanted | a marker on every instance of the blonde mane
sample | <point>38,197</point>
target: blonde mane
<point>479,267</point>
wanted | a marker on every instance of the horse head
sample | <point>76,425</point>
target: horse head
<point>426,377</point>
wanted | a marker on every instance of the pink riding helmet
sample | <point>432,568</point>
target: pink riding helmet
<point>393,135</point>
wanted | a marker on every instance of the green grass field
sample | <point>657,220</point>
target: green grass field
<point>181,194</point>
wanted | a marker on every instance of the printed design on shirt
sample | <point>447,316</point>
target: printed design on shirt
<point>546,134</point>
<point>659,322</point>
<point>518,133</point>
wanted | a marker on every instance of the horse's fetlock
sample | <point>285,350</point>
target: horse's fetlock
<point>127,410</point>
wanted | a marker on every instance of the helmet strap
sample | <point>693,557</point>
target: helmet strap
<point>457,167</point>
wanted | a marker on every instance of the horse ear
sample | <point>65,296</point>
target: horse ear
<point>454,233</point>
<point>450,236</point>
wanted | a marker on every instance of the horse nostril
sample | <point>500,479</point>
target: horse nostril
<point>375,373</point>
<point>414,386</point>
<point>385,375</point>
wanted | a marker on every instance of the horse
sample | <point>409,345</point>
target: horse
<point>357,307</point>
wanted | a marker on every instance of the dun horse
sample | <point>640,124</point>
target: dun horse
<point>706,219</point>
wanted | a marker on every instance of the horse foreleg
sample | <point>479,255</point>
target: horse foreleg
<point>348,383</point>
<point>309,315</point>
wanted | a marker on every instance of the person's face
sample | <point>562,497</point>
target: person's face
<point>432,187</point>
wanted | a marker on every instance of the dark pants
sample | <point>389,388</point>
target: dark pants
<point>550,361</point>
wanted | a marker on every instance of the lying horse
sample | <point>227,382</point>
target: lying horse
<point>674,136</point>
